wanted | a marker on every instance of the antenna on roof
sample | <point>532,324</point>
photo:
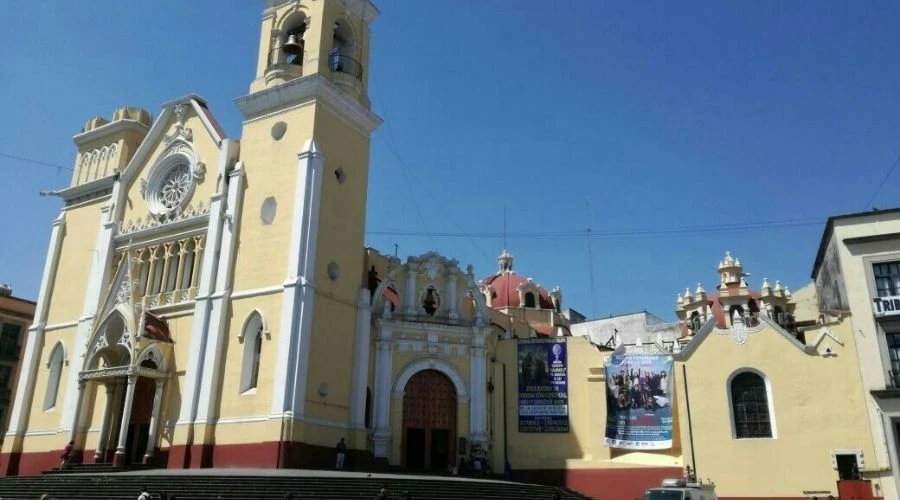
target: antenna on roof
<point>587,202</point>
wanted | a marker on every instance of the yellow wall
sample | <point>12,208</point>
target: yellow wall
<point>50,419</point>
<point>818,402</point>
<point>76,257</point>
<point>271,169</point>
<point>255,402</point>
<point>584,445</point>
<point>341,235</point>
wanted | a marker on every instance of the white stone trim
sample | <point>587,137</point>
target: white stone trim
<point>202,311</point>
<point>308,88</point>
<point>60,326</point>
<point>213,364</point>
<point>257,292</point>
<point>107,130</point>
<point>361,359</point>
<point>432,363</point>
<point>86,189</point>
<point>769,400</point>
<point>18,420</point>
<point>292,363</point>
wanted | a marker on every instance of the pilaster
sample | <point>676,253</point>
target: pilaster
<point>210,389</point>
<point>381,439</point>
<point>298,296</point>
<point>32,356</point>
<point>361,359</point>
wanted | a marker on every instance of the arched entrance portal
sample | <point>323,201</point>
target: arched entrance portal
<point>429,422</point>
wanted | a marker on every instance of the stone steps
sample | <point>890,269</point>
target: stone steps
<point>266,486</point>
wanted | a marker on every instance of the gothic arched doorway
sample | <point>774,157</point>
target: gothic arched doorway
<point>429,422</point>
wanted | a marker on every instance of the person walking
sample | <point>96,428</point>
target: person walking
<point>341,453</point>
<point>66,454</point>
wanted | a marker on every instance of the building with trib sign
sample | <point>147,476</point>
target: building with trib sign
<point>857,275</point>
<point>208,302</point>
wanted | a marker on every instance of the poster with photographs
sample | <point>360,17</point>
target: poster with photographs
<point>639,402</point>
<point>543,385</point>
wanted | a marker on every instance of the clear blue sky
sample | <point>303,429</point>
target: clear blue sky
<point>666,115</point>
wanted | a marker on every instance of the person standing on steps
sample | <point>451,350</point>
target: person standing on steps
<point>341,453</point>
<point>66,455</point>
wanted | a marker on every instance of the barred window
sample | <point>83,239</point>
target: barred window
<point>750,406</point>
<point>887,278</point>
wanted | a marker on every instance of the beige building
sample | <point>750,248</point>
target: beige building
<point>207,301</point>
<point>857,276</point>
<point>16,315</point>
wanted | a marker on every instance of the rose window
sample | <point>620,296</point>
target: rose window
<point>175,187</point>
<point>171,184</point>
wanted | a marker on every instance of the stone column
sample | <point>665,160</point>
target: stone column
<point>453,313</point>
<point>154,420</point>
<point>361,359</point>
<point>119,459</point>
<point>383,377</point>
<point>477,406</point>
<point>410,291</point>
<point>79,401</point>
<point>102,441</point>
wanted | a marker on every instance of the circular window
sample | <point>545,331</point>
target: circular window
<point>170,185</point>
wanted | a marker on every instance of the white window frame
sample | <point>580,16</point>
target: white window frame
<point>770,402</point>
<point>55,364</point>
<point>254,331</point>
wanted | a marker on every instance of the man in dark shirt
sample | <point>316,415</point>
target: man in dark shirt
<point>341,453</point>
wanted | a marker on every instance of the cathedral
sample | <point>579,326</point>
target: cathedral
<point>208,301</point>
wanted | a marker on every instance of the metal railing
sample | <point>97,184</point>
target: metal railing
<point>344,64</point>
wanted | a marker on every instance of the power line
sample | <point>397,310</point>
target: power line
<point>36,162</point>
<point>883,181</point>
<point>556,235</point>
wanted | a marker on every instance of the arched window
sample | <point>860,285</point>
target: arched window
<point>750,408</point>
<point>57,357</point>
<point>253,338</point>
<point>529,300</point>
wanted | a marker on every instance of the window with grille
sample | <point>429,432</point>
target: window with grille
<point>9,340</point>
<point>887,278</point>
<point>750,406</point>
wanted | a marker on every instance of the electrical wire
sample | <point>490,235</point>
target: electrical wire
<point>557,235</point>
<point>36,162</point>
<point>883,181</point>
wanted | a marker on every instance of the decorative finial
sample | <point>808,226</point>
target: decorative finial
<point>765,284</point>
<point>505,262</point>
<point>700,289</point>
<point>778,287</point>
<point>678,299</point>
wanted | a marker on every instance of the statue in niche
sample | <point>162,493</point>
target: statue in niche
<point>430,303</point>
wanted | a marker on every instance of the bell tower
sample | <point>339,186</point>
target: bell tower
<point>302,37</point>
<point>305,153</point>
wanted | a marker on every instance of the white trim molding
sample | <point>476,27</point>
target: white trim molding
<point>18,420</point>
<point>314,87</point>
<point>292,364</point>
<point>432,363</point>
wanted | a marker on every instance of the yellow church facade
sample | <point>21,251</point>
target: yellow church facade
<point>208,302</point>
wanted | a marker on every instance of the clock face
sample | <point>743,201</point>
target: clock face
<point>175,186</point>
